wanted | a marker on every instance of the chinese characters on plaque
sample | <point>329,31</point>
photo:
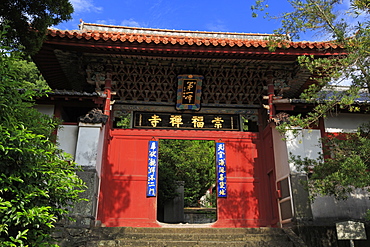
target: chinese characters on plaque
<point>189,90</point>
<point>152,168</point>
<point>221,169</point>
<point>154,120</point>
<point>186,121</point>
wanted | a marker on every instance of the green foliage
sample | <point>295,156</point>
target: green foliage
<point>37,184</point>
<point>125,121</point>
<point>30,19</point>
<point>347,27</point>
<point>245,123</point>
<point>318,15</point>
<point>343,166</point>
<point>29,75</point>
<point>191,161</point>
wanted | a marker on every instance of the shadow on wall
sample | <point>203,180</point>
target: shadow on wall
<point>115,197</point>
<point>241,207</point>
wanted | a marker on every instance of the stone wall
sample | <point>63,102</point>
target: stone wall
<point>326,236</point>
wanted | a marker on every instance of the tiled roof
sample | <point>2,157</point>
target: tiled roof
<point>339,92</point>
<point>335,92</point>
<point>162,36</point>
<point>57,92</point>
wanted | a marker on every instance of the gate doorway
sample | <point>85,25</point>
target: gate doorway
<point>186,181</point>
<point>123,199</point>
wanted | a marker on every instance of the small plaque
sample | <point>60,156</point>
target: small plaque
<point>348,230</point>
<point>189,91</point>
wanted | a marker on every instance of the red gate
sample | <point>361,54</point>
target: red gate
<point>123,200</point>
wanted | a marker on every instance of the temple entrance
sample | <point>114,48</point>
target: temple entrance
<point>124,185</point>
<point>186,182</point>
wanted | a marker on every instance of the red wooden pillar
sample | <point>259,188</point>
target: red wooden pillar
<point>107,91</point>
<point>271,94</point>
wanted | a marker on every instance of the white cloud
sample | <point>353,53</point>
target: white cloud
<point>130,23</point>
<point>85,6</point>
<point>217,26</point>
<point>106,22</point>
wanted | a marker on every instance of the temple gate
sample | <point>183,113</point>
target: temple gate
<point>161,84</point>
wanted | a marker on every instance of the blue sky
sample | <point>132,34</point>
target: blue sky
<point>194,15</point>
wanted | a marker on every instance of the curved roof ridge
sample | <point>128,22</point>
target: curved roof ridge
<point>168,32</point>
<point>163,36</point>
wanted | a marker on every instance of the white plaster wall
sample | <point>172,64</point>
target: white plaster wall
<point>306,144</point>
<point>345,122</point>
<point>354,207</point>
<point>87,144</point>
<point>45,109</point>
<point>67,138</point>
<point>99,158</point>
<point>281,155</point>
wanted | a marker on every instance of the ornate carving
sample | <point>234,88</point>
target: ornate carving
<point>281,117</point>
<point>156,82</point>
<point>95,75</point>
<point>282,80</point>
<point>154,79</point>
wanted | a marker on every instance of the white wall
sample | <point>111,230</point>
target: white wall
<point>87,144</point>
<point>281,155</point>
<point>306,144</point>
<point>66,135</point>
<point>67,138</point>
<point>99,158</point>
<point>354,207</point>
<point>345,122</point>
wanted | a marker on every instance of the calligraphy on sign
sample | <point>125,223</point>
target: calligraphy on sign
<point>221,169</point>
<point>193,121</point>
<point>189,90</point>
<point>152,169</point>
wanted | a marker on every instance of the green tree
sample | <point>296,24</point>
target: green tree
<point>191,161</point>
<point>29,75</point>
<point>342,167</point>
<point>38,184</point>
<point>346,159</point>
<point>29,19</point>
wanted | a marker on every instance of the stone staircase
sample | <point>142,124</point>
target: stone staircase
<point>230,237</point>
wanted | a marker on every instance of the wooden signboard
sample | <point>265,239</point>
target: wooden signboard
<point>189,91</point>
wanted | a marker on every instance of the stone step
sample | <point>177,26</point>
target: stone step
<point>179,230</point>
<point>128,236</point>
<point>203,236</point>
<point>192,243</point>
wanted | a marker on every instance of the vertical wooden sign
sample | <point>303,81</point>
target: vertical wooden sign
<point>152,169</point>
<point>221,169</point>
<point>189,91</point>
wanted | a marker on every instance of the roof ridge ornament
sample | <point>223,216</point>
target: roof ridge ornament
<point>94,116</point>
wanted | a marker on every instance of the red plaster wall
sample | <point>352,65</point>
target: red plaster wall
<point>123,201</point>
